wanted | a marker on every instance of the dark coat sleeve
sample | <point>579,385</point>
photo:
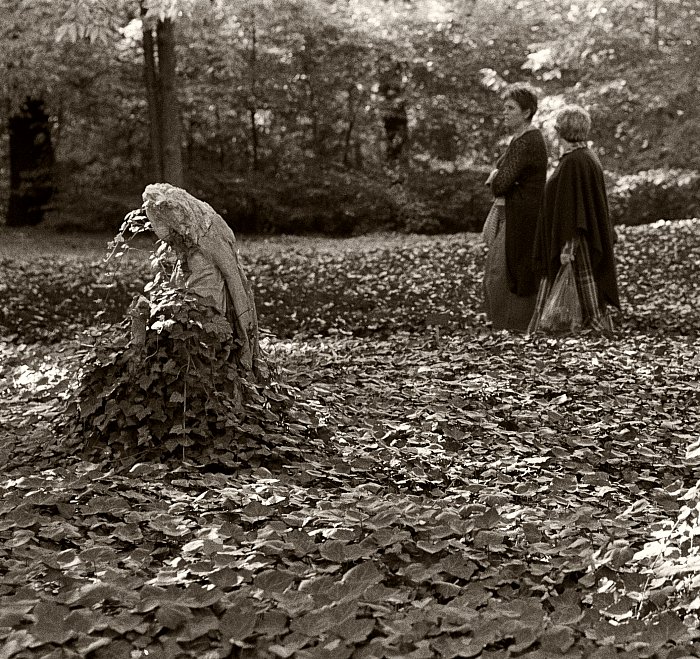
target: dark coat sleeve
<point>510,168</point>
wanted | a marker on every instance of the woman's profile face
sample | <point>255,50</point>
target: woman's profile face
<point>513,115</point>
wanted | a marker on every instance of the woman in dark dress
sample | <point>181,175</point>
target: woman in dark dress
<point>575,226</point>
<point>510,283</point>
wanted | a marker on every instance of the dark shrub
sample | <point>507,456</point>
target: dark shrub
<point>342,202</point>
<point>330,201</point>
<point>653,195</point>
<point>446,202</point>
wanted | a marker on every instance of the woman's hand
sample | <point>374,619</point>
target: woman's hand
<point>567,253</point>
<point>492,175</point>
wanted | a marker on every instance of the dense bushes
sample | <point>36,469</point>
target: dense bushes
<point>431,201</point>
<point>332,201</point>
<point>655,194</point>
<point>347,202</point>
<point>343,202</point>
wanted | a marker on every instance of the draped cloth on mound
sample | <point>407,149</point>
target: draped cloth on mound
<point>208,249</point>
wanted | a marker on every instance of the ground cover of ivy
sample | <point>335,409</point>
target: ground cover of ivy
<point>463,493</point>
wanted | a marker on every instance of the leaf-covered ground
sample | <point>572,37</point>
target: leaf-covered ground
<point>479,494</point>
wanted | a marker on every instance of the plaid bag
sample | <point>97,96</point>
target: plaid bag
<point>562,310</point>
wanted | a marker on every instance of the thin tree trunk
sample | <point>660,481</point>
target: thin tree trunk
<point>252,109</point>
<point>189,142</point>
<point>348,136</point>
<point>392,91</point>
<point>220,142</point>
<point>656,25</point>
<point>152,101</point>
<point>57,128</point>
<point>309,44</point>
<point>254,138</point>
<point>351,124</point>
<point>170,116</point>
<point>315,132</point>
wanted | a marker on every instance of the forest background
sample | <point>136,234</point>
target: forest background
<point>283,108</point>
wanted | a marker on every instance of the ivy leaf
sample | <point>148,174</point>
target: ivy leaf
<point>172,615</point>
<point>668,627</point>
<point>50,624</point>
<point>238,625</point>
<point>334,551</point>
<point>557,640</point>
<point>274,580</point>
<point>197,628</point>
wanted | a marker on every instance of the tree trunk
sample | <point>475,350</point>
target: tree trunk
<point>351,124</point>
<point>253,138</point>
<point>392,90</point>
<point>308,70</point>
<point>657,45</point>
<point>252,103</point>
<point>170,116</point>
<point>31,164</point>
<point>220,142</point>
<point>153,101</point>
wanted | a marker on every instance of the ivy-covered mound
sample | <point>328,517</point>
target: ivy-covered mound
<point>171,385</point>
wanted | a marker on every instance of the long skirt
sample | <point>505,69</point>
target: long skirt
<point>595,313</point>
<point>504,309</point>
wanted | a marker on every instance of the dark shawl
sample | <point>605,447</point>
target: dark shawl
<point>575,203</point>
<point>522,172</point>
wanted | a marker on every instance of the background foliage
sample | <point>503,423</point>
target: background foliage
<point>282,110</point>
